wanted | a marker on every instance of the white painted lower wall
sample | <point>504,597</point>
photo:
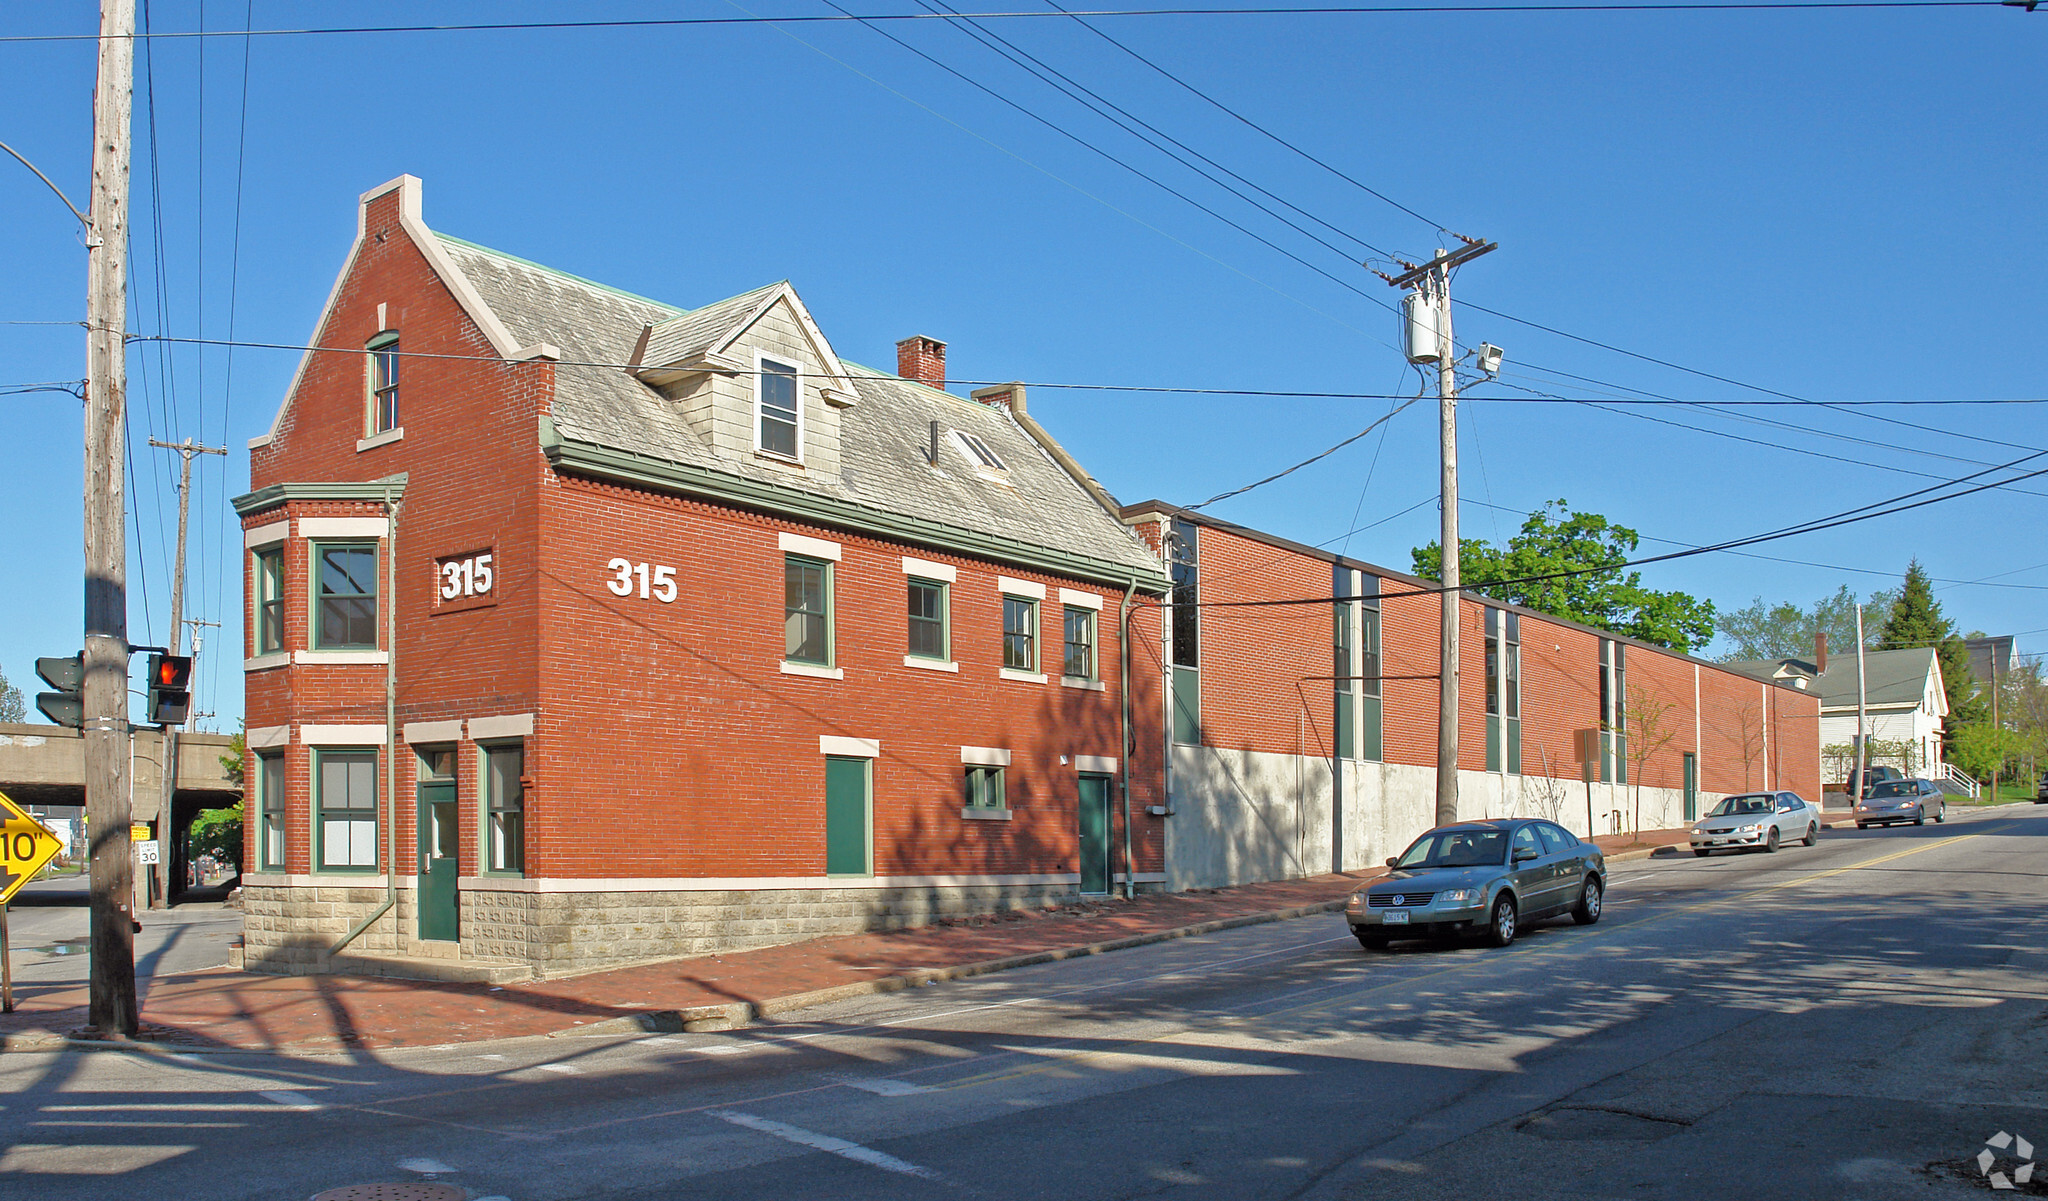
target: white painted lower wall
<point>1244,816</point>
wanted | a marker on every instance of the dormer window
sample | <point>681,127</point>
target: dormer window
<point>383,383</point>
<point>778,417</point>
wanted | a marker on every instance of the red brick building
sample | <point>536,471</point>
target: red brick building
<point>584,629</point>
<point>1276,767</point>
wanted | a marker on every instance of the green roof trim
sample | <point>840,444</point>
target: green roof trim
<point>272,495</point>
<point>588,283</point>
<point>603,462</point>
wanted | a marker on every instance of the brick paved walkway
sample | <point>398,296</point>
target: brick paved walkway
<point>223,1007</point>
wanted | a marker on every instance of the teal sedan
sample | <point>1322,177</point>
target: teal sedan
<point>1492,877</point>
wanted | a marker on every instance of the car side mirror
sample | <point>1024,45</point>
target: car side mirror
<point>1524,854</point>
<point>1391,861</point>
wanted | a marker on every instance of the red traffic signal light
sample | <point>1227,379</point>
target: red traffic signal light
<point>170,689</point>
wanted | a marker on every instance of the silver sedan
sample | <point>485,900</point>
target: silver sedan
<point>1756,821</point>
<point>1901,801</point>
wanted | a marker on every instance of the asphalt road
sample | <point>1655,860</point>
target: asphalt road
<point>1851,1020</point>
<point>48,923</point>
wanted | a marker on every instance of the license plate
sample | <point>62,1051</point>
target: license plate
<point>1395,917</point>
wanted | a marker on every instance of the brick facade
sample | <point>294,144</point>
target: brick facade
<point>1266,770</point>
<point>674,766</point>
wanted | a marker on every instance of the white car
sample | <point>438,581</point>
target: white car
<point>1753,820</point>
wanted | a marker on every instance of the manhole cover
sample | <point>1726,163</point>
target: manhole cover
<point>409,1191</point>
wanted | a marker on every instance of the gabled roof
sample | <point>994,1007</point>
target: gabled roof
<point>1898,680</point>
<point>707,330</point>
<point>607,422</point>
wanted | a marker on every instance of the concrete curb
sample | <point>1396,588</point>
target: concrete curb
<point>738,1014</point>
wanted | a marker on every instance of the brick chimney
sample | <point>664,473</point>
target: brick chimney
<point>1820,652</point>
<point>922,359</point>
<point>1001,396</point>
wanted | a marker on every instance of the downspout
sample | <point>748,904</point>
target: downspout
<point>1123,648</point>
<point>390,815</point>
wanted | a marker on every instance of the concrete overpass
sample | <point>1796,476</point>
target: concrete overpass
<point>43,768</point>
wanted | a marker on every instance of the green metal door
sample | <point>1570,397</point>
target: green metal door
<point>846,817</point>
<point>440,834</point>
<point>1692,786</point>
<point>1095,834</point>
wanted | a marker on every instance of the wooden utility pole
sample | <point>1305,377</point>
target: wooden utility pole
<point>113,1005</point>
<point>169,744</point>
<point>1428,340</point>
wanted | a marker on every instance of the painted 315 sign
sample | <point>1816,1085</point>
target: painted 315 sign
<point>465,577</point>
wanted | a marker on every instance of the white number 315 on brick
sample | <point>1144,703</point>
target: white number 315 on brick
<point>625,572</point>
<point>466,577</point>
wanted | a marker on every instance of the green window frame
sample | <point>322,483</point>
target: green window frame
<point>269,600</point>
<point>504,765</point>
<point>345,809</point>
<point>807,635</point>
<point>984,787</point>
<point>930,621</point>
<point>344,590</point>
<point>270,827</point>
<point>1020,634</point>
<point>384,359</point>
<point>1077,643</point>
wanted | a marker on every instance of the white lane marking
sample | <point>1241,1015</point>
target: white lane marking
<point>825,1143</point>
<point>292,1101</point>
<point>882,1086</point>
<point>566,1069</point>
<point>425,1167</point>
<point>499,1058</point>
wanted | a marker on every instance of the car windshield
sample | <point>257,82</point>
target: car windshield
<point>1894,788</point>
<point>1738,806</point>
<point>1457,848</point>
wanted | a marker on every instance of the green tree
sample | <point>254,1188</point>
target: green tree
<point>1555,539</point>
<point>12,708</point>
<point>1916,620</point>
<point>220,832</point>
<point>1760,630</point>
<point>1983,748</point>
<point>236,760</point>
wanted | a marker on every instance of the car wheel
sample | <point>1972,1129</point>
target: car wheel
<point>1863,825</point>
<point>1941,814</point>
<point>1698,853</point>
<point>1372,942</point>
<point>1812,833</point>
<point>1771,841</point>
<point>1501,930</point>
<point>1590,897</point>
<point>1920,816</point>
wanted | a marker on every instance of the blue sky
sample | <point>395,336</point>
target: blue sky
<point>1839,205</point>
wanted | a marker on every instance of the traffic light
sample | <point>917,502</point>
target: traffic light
<point>66,706</point>
<point>170,689</point>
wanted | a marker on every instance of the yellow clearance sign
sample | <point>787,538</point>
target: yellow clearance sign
<point>25,846</point>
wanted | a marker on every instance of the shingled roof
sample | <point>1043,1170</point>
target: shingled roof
<point>883,437</point>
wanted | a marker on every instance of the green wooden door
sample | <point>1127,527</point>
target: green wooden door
<point>846,817</point>
<point>1692,786</point>
<point>440,835</point>
<point>1095,834</point>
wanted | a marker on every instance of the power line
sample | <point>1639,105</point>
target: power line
<point>1146,389</point>
<point>819,18</point>
<point>1124,119</point>
<point>1247,121</point>
<point>1156,182</point>
<point>1901,503</point>
<point>1319,456</point>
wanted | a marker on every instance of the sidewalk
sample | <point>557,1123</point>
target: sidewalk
<point>225,1008</point>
